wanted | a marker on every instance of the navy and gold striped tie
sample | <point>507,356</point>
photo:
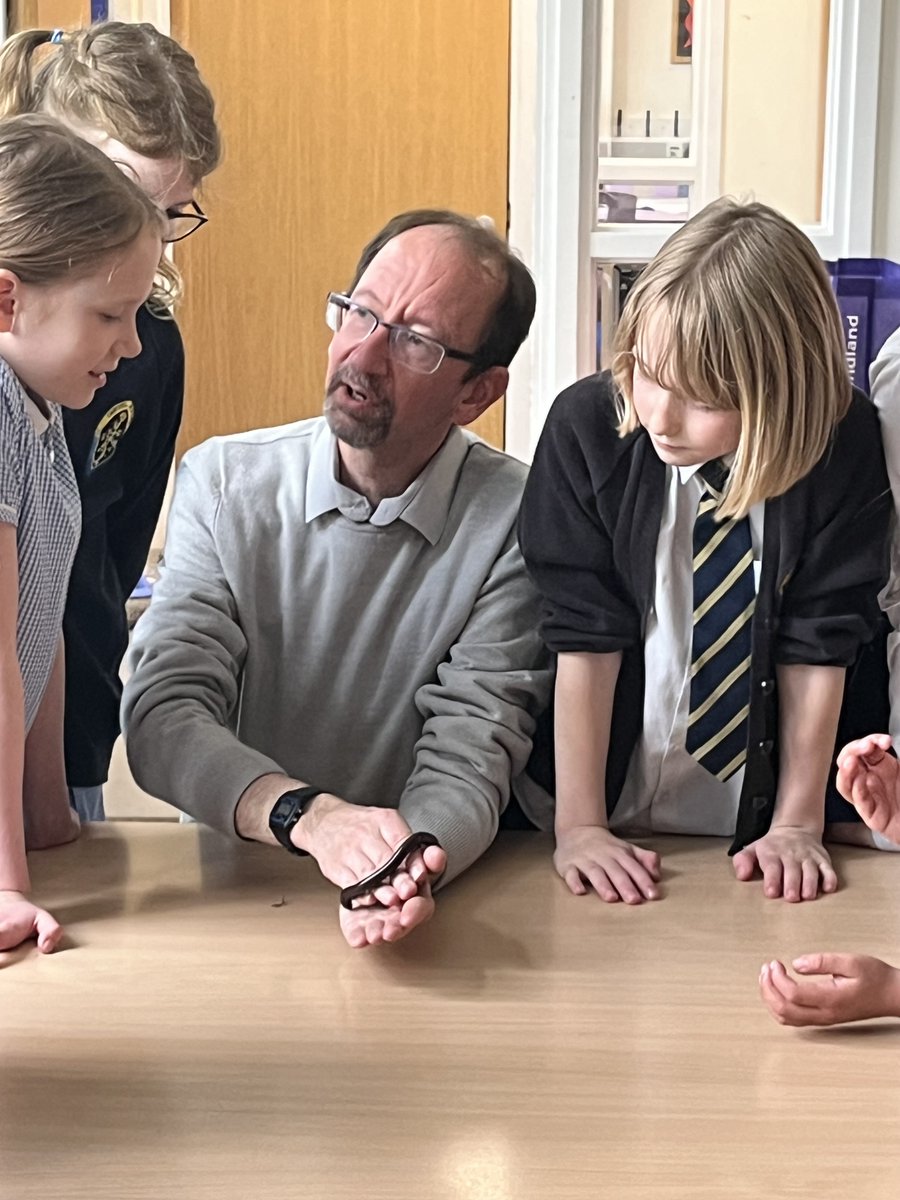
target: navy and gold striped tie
<point>724,598</point>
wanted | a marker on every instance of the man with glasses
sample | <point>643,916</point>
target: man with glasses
<point>343,648</point>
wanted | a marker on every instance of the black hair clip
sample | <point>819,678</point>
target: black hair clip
<point>382,875</point>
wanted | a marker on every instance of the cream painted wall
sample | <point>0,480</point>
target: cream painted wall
<point>775,75</point>
<point>643,74</point>
<point>156,12</point>
<point>774,92</point>
<point>886,241</point>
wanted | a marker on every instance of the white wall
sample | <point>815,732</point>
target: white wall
<point>156,12</point>
<point>774,114</point>
<point>644,77</point>
<point>887,164</point>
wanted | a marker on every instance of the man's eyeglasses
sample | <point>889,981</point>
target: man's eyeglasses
<point>183,221</point>
<point>414,350</point>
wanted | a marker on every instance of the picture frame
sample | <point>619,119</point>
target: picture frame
<point>682,30</point>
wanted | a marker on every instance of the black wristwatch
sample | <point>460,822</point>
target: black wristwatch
<point>288,810</point>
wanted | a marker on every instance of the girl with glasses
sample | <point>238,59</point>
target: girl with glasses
<point>138,96</point>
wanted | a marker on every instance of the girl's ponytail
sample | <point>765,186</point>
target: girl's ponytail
<point>17,91</point>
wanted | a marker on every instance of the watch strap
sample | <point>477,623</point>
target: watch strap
<point>287,811</point>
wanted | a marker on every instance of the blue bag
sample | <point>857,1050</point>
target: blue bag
<point>868,295</point>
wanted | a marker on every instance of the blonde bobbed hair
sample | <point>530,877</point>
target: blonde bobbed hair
<point>751,325</point>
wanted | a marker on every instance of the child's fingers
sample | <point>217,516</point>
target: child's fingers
<point>773,984</point>
<point>817,874</point>
<point>649,860</point>
<point>792,1002</point>
<point>826,964</point>
<point>863,796</point>
<point>879,744</point>
<point>777,980</point>
<point>791,880</point>
<point>49,931</point>
<point>773,878</point>
<point>850,756</point>
<point>872,744</point>
<point>810,872</point>
<point>603,884</point>
<point>633,881</point>
<point>850,767</point>
<point>744,863</point>
<point>574,882</point>
<point>828,877</point>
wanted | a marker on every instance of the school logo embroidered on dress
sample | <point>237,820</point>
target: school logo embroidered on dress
<point>110,431</point>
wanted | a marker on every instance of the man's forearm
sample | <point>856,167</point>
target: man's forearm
<point>251,817</point>
<point>809,699</point>
<point>179,753</point>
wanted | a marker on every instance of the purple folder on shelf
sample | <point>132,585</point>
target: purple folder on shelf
<point>868,295</point>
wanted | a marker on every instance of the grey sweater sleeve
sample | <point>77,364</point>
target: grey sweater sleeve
<point>188,649</point>
<point>479,717</point>
<point>884,380</point>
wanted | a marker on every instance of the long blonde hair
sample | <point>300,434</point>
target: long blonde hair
<point>64,206</point>
<point>752,326</point>
<point>128,80</point>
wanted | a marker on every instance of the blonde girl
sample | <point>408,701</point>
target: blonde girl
<point>138,96</point>
<point>79,249</point>
<point>708,527</point>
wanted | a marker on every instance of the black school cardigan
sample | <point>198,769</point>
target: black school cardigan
<point>588,529</point>
<point>122,446</point>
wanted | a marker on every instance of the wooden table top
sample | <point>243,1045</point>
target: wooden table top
<point>208,1034</point>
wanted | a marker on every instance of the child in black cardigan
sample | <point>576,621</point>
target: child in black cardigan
<point>729,349</point>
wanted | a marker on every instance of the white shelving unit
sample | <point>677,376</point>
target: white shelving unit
<point>563,57</point>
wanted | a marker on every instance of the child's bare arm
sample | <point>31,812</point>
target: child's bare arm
<point>791,856</point>
<point>19,918</point>
<point>846,987</point>
<point>587,855</point>
<point>13,869</point>
<point>49,817</point>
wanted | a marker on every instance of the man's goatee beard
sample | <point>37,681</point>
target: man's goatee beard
<point>361,431</point>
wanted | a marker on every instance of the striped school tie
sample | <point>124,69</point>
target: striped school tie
<point>724,598</point>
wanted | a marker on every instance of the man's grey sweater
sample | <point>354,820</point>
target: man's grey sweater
<point>389,656</point>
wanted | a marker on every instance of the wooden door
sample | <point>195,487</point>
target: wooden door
<point>336,115</point>
<point>47,14</point>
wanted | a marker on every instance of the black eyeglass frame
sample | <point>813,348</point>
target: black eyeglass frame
<point>347,303</point>
<point>198,216</point>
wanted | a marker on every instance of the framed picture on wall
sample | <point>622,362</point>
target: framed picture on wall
<point>682,30</point>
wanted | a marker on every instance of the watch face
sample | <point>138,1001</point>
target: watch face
<point>286,812</point>
<point>283,809</point>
